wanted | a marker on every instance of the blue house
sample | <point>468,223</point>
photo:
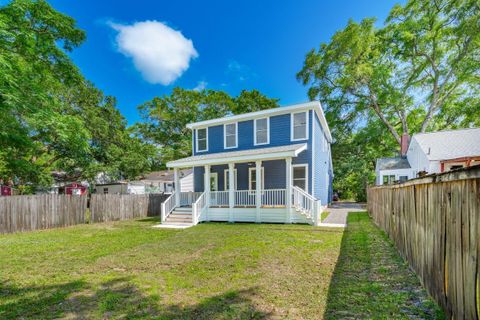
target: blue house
<point>268,166</point>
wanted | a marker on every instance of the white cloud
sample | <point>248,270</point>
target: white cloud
<point>201,85</point>
<point>160,53</point>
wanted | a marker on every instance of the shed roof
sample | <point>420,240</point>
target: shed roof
<point>291,150</point>
<point>449,144</point>
<point>392,163</point>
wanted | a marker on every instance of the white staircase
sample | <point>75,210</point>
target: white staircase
<point>180,216</point>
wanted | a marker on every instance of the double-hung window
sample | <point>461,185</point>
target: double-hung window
<point>299,128</point>
<point>300,176</point>
<point>262,131</point>
<point>230,133</point>
<point>202,140</point>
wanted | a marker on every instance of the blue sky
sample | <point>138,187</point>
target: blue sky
<point>136,50</point>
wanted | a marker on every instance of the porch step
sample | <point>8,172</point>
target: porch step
<point>183,209</point>
<point>179,217</point>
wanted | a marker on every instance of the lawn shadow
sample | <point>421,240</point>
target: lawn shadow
<point>118,298</point>
<point>371,280</point>
<point>35,302</point>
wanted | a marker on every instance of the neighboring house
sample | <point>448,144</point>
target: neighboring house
<point>7,190</point>
<point>132,187</point>
<point>163,181</point>
<point>75,188</point>
<point>433,152</point>
<point>267,166</point>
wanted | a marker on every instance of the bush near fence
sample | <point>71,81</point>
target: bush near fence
<point>36,212</point>
<point>435,224</point>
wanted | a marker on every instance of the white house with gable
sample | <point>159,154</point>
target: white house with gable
<point>433,152</point>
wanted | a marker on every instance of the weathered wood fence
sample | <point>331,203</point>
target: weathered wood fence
<point>26,213</point>
<point>35,212</point>
<point>435,224</point>
<point>111,207</point>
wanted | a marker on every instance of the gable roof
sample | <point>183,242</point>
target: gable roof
<point>312,105</point>
<point>392,163</point>
<point>450,144</point>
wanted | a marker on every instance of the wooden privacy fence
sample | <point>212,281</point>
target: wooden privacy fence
<point>27,213</point>
<point>435,224</point>
<point>35,212</point>
<point>111,207</point>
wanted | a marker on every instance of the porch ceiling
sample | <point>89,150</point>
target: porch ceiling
<point>271,153</point>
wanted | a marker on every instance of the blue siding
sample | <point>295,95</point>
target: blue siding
<point>279,135</point>
<point>319,164</point>
<point>322,162</point>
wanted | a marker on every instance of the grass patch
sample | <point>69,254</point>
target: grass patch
<point>211,271</point>
<point>325,214</point>
<point>372,280</point>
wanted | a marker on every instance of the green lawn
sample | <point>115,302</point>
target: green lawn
<point>211,271</point>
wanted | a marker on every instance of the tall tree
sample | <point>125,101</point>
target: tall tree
<point>165,118</point>
<point>412,74</point>
<point>51,118</point>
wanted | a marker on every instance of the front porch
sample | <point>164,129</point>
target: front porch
<point>246,196</point>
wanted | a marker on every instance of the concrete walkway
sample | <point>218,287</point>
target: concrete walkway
<point>339,211</point>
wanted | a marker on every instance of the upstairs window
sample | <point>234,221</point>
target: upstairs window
<point>261,129</point>
<point>202,140</point>
<point>299,129</point>
<point>230,133</point>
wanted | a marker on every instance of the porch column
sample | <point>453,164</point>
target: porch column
<point>231,190</point>
<point>288,186</point>
<point>206,184</point>
<point>177,187</point>
<point>258,188</point>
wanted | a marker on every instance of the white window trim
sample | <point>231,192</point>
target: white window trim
<point>307,125</point>
<point>225,135</point>
<point>250,179</point>
<point>196,139</point>
<point>255,131</point>
<point>306,174</point>
<point>212,175</point>
<point>225,174</point>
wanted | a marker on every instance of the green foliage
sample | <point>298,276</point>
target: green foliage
<point>165,118</point>
<point>51,117</point>
<point>417,73</point>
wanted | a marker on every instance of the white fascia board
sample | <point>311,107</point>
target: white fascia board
<point>238,159</point>
<point>312,105</point>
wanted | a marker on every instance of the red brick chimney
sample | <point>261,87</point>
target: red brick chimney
<point>404,144</point>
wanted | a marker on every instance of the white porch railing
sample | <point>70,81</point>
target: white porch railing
<point>219,198</point>
<point>274,197</point>
<point>187,198</point>
<point>245,198</point>
<point>167,207</point>
<point>198,207</point>
<point>306,204</point>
